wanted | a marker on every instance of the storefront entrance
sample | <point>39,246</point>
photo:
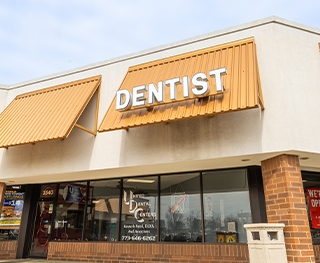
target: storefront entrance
<point>200,207</point>
<point>42,229</point>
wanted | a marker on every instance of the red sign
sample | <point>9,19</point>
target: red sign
<point>314,206</point>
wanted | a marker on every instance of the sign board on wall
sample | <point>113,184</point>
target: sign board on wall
<point>139,223</point>
<point>12,208</point>
<point>313,195</point>
<point>154,94</point>
<point>48,191</point>
<point>204,82</point>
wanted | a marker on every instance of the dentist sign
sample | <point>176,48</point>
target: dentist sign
<point>151,94</point>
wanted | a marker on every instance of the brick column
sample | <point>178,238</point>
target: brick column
<point>2,192</point>
<point>285,203</point>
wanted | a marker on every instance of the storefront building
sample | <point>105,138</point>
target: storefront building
<point>165,154</point>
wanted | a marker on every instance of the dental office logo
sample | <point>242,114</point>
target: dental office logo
<point>125,100</point>
<point>135,206</point>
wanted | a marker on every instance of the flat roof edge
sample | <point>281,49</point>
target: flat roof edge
<point>4,87</point>
<point>188,41</point>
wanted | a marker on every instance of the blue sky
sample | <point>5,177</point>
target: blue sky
<point>42,37</point>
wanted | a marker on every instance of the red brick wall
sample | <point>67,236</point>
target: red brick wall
<point>285,203</point>
<point>142,252</point>
<point>8,249</point>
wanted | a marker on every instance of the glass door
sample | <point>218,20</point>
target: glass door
<point>42,229</point>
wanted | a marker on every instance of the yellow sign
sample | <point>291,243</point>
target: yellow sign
<point>231,239</point>
<point>10,222</point>
<point>221,239</point>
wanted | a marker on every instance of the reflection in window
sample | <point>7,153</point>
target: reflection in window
<point>226,205</point>
<point>180,214</point>
<point>70,211</point>
<point>139,209</point>
<point>103,211</point>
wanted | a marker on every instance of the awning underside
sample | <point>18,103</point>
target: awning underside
<point>46,114</point>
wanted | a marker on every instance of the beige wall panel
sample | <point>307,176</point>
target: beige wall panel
<point>289,65</point>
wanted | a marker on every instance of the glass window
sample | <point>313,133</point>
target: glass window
<point>226,208</point>
<point>103,211</point>
<point>68,223</point>
<point>226,205</point>
<point>180,214</point>
<point>139,209</point>
<point>11,212</point>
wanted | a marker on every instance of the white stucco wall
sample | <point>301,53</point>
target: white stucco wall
<point>3,97</point>
<point>289,65</point>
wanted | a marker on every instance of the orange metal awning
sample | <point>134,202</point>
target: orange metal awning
<point>241,86</point>
<point>47,114</point>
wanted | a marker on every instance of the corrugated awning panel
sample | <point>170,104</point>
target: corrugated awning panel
<point>46,114</point>
<point>241,85</point>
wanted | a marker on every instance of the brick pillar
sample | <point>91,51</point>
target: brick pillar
<point>285,203</point>
<point>2,192</point>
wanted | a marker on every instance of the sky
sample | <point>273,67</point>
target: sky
<point>43,37</point>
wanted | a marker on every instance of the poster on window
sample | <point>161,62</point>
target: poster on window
<point>74,194</point>
<point>12,208</point>
<point>139,222</point>
<point>313,195</point>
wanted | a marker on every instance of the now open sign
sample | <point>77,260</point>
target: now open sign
<point>313,195</point>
